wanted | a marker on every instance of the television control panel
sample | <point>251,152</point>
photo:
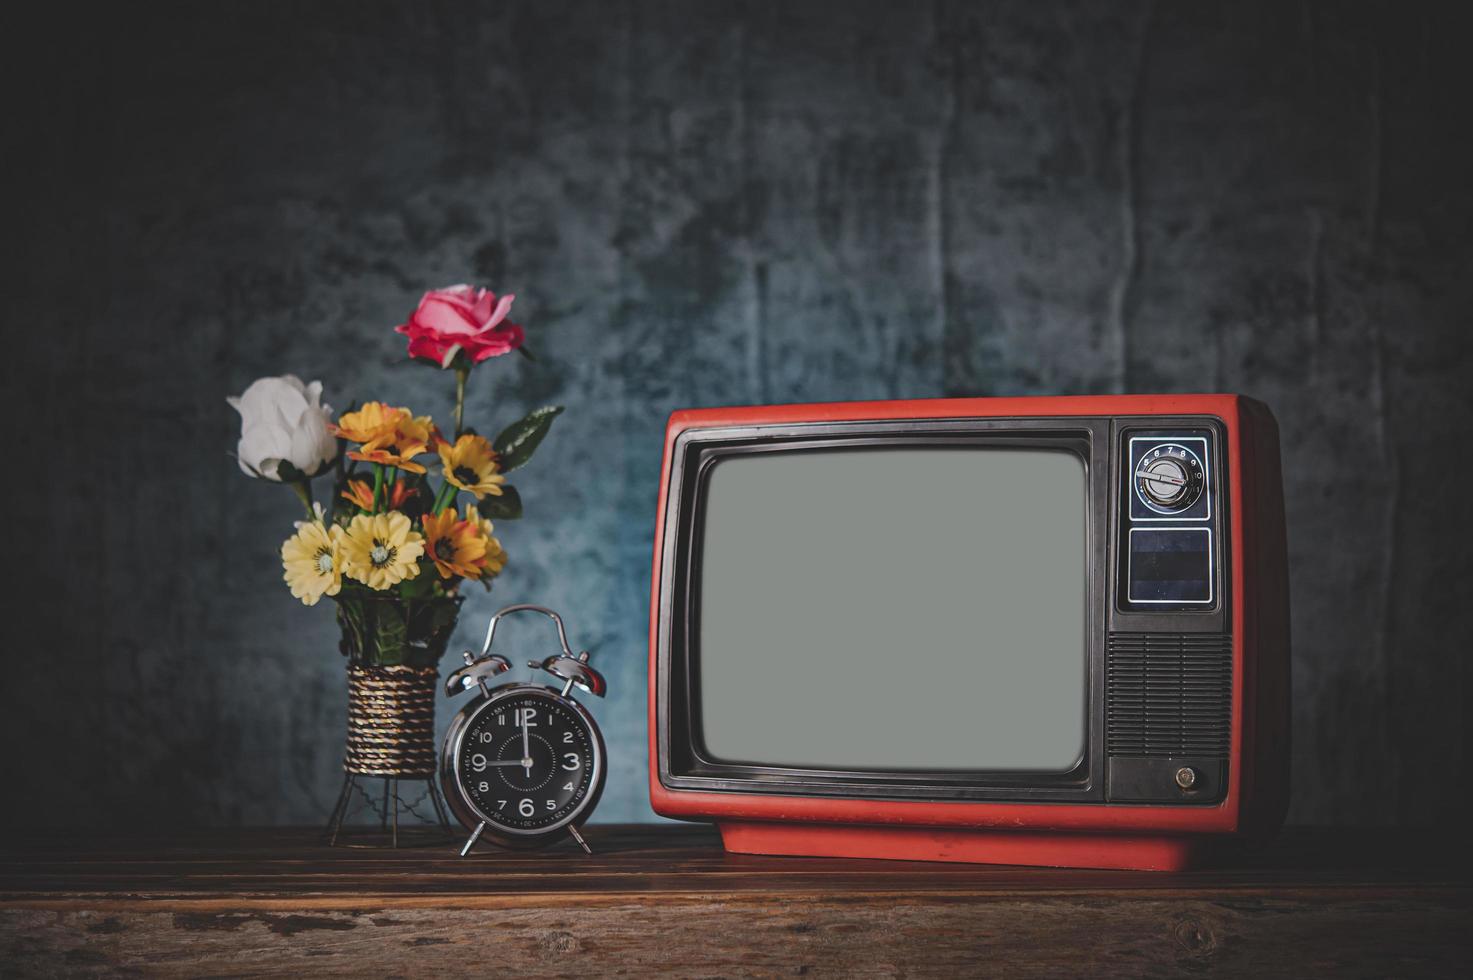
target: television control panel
<point>1168,652</point>
<point>1169,522</point>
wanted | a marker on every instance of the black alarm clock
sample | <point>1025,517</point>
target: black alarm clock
<point>522,765</point>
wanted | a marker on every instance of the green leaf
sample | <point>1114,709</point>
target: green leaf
<point>422,586</point>
<point>520,440</point>
<point>507,507</point>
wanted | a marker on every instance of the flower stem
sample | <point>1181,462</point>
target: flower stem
<point>461,374</point>
<point>445,496</point>
<point>303,491</point>
<point>378,484</point>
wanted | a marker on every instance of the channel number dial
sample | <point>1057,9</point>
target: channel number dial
<point>527,762</point>
<point>1168,478</point>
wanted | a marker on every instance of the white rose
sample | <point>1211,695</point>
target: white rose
<point>283,421</point>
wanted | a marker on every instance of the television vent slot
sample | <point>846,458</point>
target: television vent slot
<point>1169,694</point>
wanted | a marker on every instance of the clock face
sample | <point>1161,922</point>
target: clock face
<point>528,761</point>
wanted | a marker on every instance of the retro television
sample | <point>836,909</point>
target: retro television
<point>1038,630</point>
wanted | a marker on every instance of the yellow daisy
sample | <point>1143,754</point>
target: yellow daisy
<point>455,546</point>
<point>312,561</point>
<point>470,464</point>
<point>381,550</point>
<point>494,560</point>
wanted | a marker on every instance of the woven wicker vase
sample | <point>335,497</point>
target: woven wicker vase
<point>393,648</point>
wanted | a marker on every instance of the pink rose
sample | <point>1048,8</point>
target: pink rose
<point>461,318</point>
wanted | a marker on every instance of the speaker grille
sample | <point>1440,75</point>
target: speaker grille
<point>1169,694</point>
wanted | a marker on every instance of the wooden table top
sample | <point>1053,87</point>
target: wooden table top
<point>660,862</point>
<point>1341,899</point>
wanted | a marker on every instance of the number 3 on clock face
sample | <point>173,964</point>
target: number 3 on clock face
<point>527,762</point>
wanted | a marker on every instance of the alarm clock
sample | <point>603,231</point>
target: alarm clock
<point>522,765</point>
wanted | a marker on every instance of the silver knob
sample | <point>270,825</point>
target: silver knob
<point>1164,480</point>
<point>1169,478</point>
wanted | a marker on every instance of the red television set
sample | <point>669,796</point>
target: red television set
<point>1047,631</point>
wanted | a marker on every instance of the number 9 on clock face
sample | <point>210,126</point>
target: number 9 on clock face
<point>527,762</point>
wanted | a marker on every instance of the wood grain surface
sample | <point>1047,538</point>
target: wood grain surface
<point>668,900</point>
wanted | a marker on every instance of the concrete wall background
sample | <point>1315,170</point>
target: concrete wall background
<point>705,204</point>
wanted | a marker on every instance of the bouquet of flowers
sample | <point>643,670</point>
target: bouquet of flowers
<point>409,514</point>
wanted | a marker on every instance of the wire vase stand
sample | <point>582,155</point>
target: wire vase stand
<point>390,738</point>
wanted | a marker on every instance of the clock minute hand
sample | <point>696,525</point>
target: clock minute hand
<point>526,745</point>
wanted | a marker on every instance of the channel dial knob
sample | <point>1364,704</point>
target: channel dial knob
<point>1168,478</point>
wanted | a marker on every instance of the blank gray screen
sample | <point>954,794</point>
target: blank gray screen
<point>895,609</point>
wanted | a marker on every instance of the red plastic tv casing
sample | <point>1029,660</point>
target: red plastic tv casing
<point>1103,835</point>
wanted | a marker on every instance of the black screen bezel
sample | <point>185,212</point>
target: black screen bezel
<point>682,763</point>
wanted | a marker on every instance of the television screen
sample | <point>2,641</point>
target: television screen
<point>894,609</point>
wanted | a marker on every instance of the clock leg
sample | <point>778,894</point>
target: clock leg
<point>579,838</point>
<point>475,836</point>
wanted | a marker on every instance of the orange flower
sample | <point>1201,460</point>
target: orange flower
<point>455,546</point>
<point>494,559</point>
<point>398,494</point>
<point>419,429</point>
<point>359,494</point>
<point>388,436</point>
<point>388,457</point>
<point>371,423</point>
<point>395,449</point>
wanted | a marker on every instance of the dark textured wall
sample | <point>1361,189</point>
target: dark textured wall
<point>704,204</point>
